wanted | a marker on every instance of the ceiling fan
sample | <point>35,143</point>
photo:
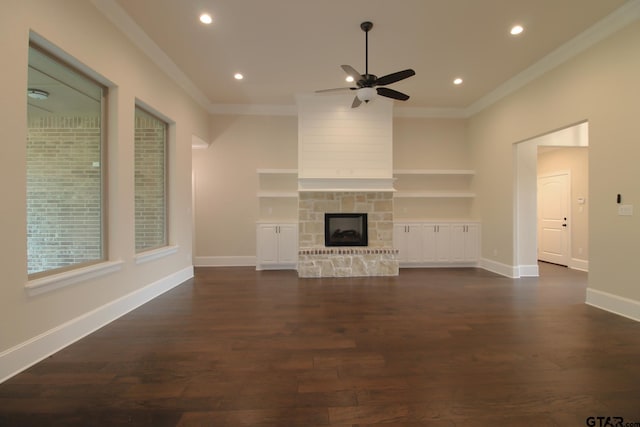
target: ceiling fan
<point>367,84</point>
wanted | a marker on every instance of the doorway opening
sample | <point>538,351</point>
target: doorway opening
<point>540,156</point>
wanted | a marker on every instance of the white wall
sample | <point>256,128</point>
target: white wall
<point>226,184</point>
<point>598,86</point>
<point>34,325</point>
<point>226,207</point>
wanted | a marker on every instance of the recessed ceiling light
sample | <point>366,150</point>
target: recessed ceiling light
<point>350,79</point>
<point>457,81</point>
<point>516,29</point>
<point>205,18</point>
<point>37,93</point>
<point>238,76</point>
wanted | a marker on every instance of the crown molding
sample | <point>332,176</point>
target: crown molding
<point>253,109</point>
<point>118,17</point>
<point>618,19</point>
<point>430,113</point>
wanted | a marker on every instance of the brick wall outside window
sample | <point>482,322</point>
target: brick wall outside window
<point>150,188</point>
<point>64,185</point>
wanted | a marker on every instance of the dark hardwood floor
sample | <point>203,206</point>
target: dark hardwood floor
<point>432,347</point>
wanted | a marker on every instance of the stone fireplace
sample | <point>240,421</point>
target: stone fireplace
<point>345,166</point>
<point>316,259</point>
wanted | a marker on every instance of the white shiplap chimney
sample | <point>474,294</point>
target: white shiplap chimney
<point>342,148</point>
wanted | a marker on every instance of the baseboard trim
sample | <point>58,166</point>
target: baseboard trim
<point>614,304</point>
<point>509,271</point>
<point>225,261</point>
<point>579,264</point>
<point>32,351</point>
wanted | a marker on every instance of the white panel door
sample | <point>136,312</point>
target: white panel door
<point>553,214</point>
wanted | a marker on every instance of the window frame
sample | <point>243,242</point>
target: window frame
<point>81,70</point>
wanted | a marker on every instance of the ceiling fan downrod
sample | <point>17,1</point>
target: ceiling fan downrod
<point>366,27</point>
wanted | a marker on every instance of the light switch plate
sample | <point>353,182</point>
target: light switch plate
<point>626,210</point>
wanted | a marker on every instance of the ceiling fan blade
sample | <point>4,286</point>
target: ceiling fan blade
<point>390,93</point>
<point>336,89</point>
<point>352,72</point>
<point>395,77</point>
<point>356,102</point>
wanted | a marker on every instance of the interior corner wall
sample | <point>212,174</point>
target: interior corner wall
<point>225,183</point>
<point>87,37</point>
<point>600,86</point>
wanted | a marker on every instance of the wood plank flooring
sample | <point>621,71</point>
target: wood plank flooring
<point>432,347</point>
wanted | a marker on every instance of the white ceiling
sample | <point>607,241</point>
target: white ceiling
<point>286,47</point>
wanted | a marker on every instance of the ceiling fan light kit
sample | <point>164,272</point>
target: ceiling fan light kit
<point>367,84</point>
<point>366,94</point>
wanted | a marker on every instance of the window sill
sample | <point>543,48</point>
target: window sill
<point>151,255</point>
<point>57,281</point>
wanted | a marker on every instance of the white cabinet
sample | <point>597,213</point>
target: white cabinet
<point>465,242</point>
<point>277,246</point>
<point>443,243</point>
<point>407,238</point>
<point>437,243</point>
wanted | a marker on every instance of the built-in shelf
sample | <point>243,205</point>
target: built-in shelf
<point>277,194</point>
<point>432,194</point>
<point>434,183</point>
<point>433,172</point>
<point>277,171</point>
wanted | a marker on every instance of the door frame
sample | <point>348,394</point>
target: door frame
<point>525,160</point>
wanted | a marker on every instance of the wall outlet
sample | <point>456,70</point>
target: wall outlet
<point>625,210</point>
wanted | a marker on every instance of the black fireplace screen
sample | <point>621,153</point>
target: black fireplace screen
<point>345,229</point>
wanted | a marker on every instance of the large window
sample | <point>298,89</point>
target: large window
<point>150,181</point>
<point>65,206</point>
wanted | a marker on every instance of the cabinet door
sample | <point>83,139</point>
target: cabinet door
<point>267,244</point>
<point>436,242</point>
<point>430,242</point>
<point>407,238</point>
<point>472,243</point>
<point>464,242</point>
<point>414,243</point>
<point>288,243</point>
<point>443,242</point>
<point>400,241</point>
<point>457,242</point>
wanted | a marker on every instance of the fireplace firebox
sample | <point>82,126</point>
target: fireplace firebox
<point>345,229</point>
